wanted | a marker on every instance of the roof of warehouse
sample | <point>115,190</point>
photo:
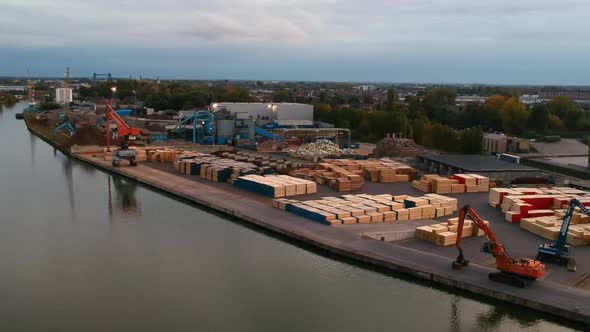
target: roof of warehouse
<point>473,163</point>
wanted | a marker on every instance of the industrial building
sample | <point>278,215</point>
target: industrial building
<point>495,169</point>
<point>576,95</point>
<point>276,121</point>
<point>63,95</point>
<point>498,143</point>
<point>302,113</point>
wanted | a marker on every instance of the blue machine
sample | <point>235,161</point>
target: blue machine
<point>125,112</point>
<point>31,109</point>
<point>202,127</point>
<point>560,252</point>
<point>65,126</point>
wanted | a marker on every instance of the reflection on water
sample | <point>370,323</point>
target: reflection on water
<point>124,198</point>
<point>69,178</point>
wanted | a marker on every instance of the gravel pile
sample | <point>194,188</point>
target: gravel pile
<point>319,148</point>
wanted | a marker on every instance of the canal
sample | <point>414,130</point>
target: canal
<point>81,250</point>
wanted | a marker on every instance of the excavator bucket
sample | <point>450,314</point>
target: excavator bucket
<point>460,262</point>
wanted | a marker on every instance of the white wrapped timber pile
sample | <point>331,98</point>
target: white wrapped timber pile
<point>275,185</point>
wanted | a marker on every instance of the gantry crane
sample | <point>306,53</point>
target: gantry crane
<point>124,131</point>
<point>560,252</point>
<point>517,272</point>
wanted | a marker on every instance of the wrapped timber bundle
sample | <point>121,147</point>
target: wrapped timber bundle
<point>275,185</point>
<point>365,209</point>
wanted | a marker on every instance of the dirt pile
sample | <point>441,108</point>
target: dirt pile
<point>88,136</point>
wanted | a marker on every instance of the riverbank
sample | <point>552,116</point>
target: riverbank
<point>546,296</point>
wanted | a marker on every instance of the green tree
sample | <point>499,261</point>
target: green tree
<point>561,106</point>
<point>539,117</point>
<point>439,99</point>
<point>514,116</point>
<point>472,141</point>
<point>390,100</point>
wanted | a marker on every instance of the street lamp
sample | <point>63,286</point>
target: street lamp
<point>114,90</point>
<point>135,104</point>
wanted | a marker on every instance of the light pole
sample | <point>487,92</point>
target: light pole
<point>135,104</point>
<point>114,90</point>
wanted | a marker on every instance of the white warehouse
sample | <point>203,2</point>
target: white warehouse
<point>63,95</point>
<point>267,111</point>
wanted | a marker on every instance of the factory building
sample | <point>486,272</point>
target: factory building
<point>267,111</point>
<point>63,95</point>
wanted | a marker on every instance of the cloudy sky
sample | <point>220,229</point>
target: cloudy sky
<point>437,41</point>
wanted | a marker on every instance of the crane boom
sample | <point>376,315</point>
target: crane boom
<point>514,271</point>
<point>123,129</point>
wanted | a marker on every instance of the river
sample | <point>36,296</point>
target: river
<point>81,250</point>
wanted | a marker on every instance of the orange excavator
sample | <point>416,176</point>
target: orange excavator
<point>517,272</point>
<point>124,131</point>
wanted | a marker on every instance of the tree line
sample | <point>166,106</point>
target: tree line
<point>176,96</point>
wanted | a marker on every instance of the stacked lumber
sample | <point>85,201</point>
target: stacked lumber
<point>549,227</point>
<point>364,209</point>
<point>163,155</point>
<point>260,159</point>
<point>445,234</point>
<point>271,146</point>
<point>519,203</point>
<point>275,185</point>
<point>213,168</point>
<point>335,176</point>
<point>458,183</point>
<point>348,174</point>
<point>377,170</point>
<point>398,147</point>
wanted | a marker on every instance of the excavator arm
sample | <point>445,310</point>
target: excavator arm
<point>493,246</point>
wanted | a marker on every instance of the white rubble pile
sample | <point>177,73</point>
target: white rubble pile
<point>320,148</point>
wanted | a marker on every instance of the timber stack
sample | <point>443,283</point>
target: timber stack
<point>364,209</point>
<point>458,183</point>
<point>445,234</point>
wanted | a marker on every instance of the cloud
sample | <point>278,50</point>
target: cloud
<point>396,33</point>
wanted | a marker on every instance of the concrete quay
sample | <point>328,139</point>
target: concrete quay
<point>544,295</point>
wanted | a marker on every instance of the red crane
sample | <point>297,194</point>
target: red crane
<point>123,129</point>
<point>517,272</point>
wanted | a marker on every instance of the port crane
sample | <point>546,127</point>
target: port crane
<point>124,131</point>
<point>560,252</point>
<point>517,272</point>
<point>67,124</point>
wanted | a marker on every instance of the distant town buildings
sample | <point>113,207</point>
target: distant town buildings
<point>576,95</point>
<point>366,88</point>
